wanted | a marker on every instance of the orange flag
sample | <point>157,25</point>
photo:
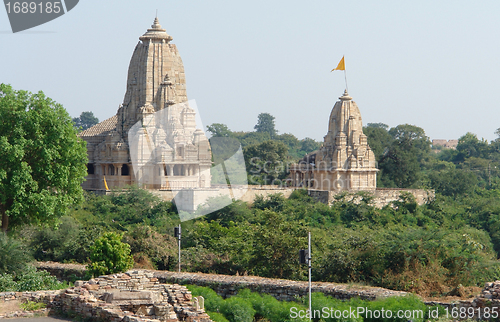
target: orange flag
<point>341,65</point>
<point>105,183</point>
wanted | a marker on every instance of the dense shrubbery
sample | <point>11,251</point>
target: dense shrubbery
<point>250,306</point>
<point>402,246</point>
<point>17,274</point>
<point>13,255</point>
<point>429,249</point>
<point>29,280</point>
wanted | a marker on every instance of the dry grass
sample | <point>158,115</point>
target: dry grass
<point>142,261</point>
<point>10,306</point>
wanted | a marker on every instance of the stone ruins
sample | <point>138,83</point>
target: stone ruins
<point>450,144</point>
<point>345,161</point>
<point>134,296</point>
<point>153,136</point>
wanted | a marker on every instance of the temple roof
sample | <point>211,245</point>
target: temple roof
<point>100,129</point>
<point>156,32</point>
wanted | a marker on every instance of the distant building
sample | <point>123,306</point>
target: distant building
<point>450,144</point>
<point>169,152</point>
<point>345,161</point>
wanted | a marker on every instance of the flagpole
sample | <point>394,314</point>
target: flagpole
<point>341,66</point>
<point>345,77</point>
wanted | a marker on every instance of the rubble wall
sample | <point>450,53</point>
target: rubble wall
<point>381,197</point>
<point>133,296</point>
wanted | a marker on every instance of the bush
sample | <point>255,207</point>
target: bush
<point>13,255</point>
<point>237,309</point>
<point>109,255</point>
<point>30,280</point>
<point>33,280</point>
<point>217,317</point>
<point>269,308</point>
<point>144,241</point>
<point>245,306</point>
<point>70,242</point>
<point>7,283</point>
<point>32,306</point>
<point>213,302</point>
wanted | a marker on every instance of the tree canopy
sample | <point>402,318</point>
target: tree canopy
<point>43,161</point>
<point>265,123</point>
<point>85,120</point>
<point>219,130</point>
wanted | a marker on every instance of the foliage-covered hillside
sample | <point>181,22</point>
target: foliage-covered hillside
<point>430,249</point>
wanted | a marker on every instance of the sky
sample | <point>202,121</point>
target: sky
<point>434,64</point>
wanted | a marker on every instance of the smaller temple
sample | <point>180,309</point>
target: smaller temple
<point>345,162</point>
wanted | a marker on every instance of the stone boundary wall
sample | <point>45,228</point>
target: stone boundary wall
<point>283,290</point>
<point>228,285</point>
<point>64,272</point>
<point>198,196</point>
<point>381,196</point>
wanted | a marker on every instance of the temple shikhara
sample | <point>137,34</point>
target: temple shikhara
<point>345,161</point>
<point>152,140</point>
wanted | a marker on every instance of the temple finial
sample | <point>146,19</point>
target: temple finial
<point>346,96</point>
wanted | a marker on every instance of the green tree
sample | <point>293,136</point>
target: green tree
<point>378,138</point>
<point>85,120</point>
<point>219,130</point>
<point>309,145</point>
<point>43,161</point>
<point>412,138</point>
<point>249,138</point>
<point>399,167</point>
<point>276,247</point>
<point>470,146</point>
<point>400,163</point>
<point>292,143</point>
<point>265,162</point>
<point>265,123</point>
<point>378,126</point>
<point>109,255</point>
<point>453,182</point>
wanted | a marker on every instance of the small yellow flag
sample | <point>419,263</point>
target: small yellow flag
<point>341,65</point>
<point>105,183</point>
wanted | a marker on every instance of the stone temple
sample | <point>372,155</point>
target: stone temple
<point>345,161</point>
<point>152,140</point>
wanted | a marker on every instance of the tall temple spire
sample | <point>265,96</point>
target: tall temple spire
<point>153,135</point>
<point>156,77</point>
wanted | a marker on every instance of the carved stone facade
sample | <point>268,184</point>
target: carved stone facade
<point>345,161</point>
<point>152,140</point>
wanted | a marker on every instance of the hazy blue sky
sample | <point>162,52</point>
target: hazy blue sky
<point>434,64</point>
